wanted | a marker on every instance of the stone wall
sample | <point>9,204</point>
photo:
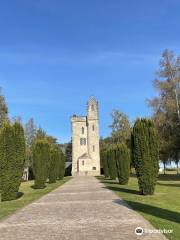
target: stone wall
<point>90,132</point>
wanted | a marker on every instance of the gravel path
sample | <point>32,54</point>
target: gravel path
<point>81,209</point>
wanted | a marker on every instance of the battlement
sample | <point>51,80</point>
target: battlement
<point>76,118</point>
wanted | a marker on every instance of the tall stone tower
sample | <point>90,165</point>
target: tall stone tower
<point>85,141</point>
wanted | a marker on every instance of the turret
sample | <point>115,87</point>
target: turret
<point>93,133</point>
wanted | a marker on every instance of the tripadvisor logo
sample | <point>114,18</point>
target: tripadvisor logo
<point>139,231</point>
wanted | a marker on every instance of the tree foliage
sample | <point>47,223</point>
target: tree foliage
<point>112,163</point>
<point>165,106</point>
<point>30,134</point>
<point>54,163</point>
<point>146,155</point>
<point>20,150</point>
<point>123,163</point>
<point>41,159</point>
<point>61,165</point>
<point>3,109</point>
<point>12,156</point>
<point>104,161</point>
<point>68,152</point>
<point>120,127</point>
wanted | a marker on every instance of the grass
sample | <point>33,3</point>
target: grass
<point>27,195</point>
<point>162,209</point>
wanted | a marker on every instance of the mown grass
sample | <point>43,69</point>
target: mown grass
<point>27,194</point>
<point>162,209</point>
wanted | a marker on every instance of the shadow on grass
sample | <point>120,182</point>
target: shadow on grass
<point>119,189</point>
<point>169,184</point>
<point>110,181</point>
<point>154,211</point>
<point>169,177</point>
<point>36,188</point>
<point>19,195</point>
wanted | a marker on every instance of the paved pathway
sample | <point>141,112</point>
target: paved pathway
<point>81,209</point>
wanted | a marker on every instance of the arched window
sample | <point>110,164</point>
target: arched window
<point>92,107</point>
<point>93,148</point>
<point>82,130</point>
<point>84,141</point>
<point>93,127</point>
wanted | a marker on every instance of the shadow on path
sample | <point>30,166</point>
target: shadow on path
<point>119,189</point>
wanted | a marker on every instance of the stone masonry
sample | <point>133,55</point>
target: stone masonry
<point>85,141</point>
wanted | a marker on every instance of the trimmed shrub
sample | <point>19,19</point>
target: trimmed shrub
<point>123,163</point>
<point>7,162</point>
<point>12,156</point>
<point>105,163</point>
<point>41,159</point>
<point>19,153</point>
<point>61,165</point>
<point>112,163</point>
<point>54,158</point>
<point>145,155</point>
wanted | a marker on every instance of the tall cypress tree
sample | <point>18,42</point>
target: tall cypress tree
<point>54,158</point>
<point>145,155</point>
<point>105,163</point>
<point>61,167</point>
<point>19,153</point>
<point>112,163</point>
<point>12,156</point>
<point>41,158</point>
<point>6,162</point>
<point>123,163</point>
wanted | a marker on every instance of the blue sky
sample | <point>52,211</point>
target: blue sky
<point>55,54</point>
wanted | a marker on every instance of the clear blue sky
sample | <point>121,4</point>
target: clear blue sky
<point>55,54</point>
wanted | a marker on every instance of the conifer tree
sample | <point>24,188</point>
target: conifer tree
<point>145,155</point>
<point>19,153</point>
<point>112,163</point>
<point>6,162</point>
<point>105,163</point>
<point>54,159</point>
<point>61,167</point>
<point>123,163</point>
<point>41,158</point>
<point>12,156</point>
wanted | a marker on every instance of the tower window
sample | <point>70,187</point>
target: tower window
<point>83,163</point>
<point>93,148</point>
<point>92,107</point>
<point>93,127</point>
<point>82,130</point>
<point>82,141</point>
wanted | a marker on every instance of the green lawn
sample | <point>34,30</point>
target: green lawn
<point>28,195</point>
<point>162,209</point>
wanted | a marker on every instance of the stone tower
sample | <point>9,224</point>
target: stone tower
<point>85,141</point>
